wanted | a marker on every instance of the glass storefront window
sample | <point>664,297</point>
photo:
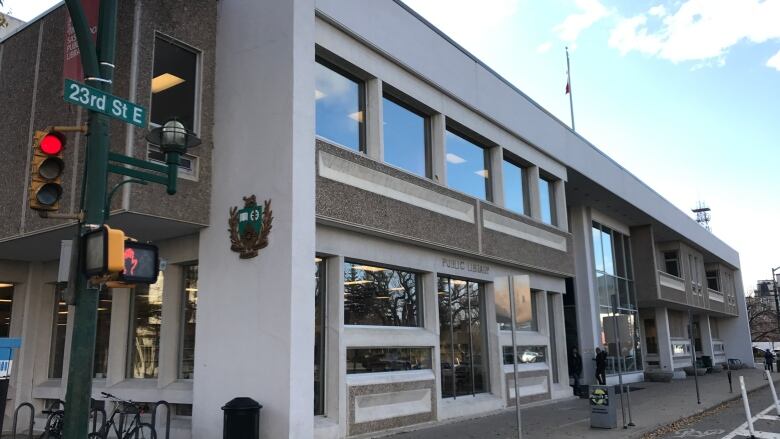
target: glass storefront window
<point>467,169</point>
<point>339,107</point>
<point>146,321</point>
<point>462,338</point>
<point>380,296</point>
<point>365,360</point>
<point>515,196</point>
<point>189,319</point>
<point>58,330</point>
<point>405,134</point>
<point>319,337</point>
<point>105,299</point>
<point>526,354</point>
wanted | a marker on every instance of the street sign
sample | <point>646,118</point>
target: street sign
<point>100,101</point>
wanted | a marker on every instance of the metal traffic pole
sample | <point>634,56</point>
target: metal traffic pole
<point>100,74</point>
<point>693,355</point>
<point>512,314</point>
<point>620,369</point>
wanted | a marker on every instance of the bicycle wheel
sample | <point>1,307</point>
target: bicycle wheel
<point>142,431</point>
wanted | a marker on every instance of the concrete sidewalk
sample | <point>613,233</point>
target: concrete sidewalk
<point>655,405</point>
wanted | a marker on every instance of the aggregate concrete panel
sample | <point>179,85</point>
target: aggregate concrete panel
<point>388,423</point>
<point>530,254</point>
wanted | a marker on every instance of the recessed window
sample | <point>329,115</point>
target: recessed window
<point>145,326</point>
<point>547,201</point>
<point>380,296</point>
<point>515,195</point>
<point>174,83</point>
<point>525,310</point>
<point>58,329</point>
<point>188,163</point>
<point>713,282</point>
<point>467,166</point>
<point>525,354</point>
<point>405,134</point>
<point>672,263</point>
<point>6,302</point>
<point>339,107</point>
<point>462,338</point>
<point>319,337</point>
<point>365,360</point>
<point>105,300</point>
<point>189,319</point>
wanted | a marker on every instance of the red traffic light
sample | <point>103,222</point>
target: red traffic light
<point>52,144</point>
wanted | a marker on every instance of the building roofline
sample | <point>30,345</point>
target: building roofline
<point>32,21</point>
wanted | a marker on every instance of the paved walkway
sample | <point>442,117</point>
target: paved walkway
<point>655,405</point>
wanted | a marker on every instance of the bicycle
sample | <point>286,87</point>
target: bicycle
<point>54,422</point>
<point>134,430</point>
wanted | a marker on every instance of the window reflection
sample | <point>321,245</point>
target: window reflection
<point>525,354</point>
<point>380,296</point>
<point>105,299</point>
<point>145,330</point>
<point>405,137</point>
<point>515,197</point>
<point>525,310</point>
<point>338,107</point>
<point>547,201</point>
<point>467,169</point>
<point>462,338</point>
<point>189,319</point>
<point>173,83</point>
<point>59,327</point>
<point>364,360</point>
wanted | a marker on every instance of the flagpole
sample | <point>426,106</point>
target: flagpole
<point>568,79</point>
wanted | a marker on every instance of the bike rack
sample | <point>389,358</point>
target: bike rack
<point>32,419</point>
<point>93,413</point>
<point>167,417</point>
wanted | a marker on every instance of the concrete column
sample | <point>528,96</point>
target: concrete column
<point>533,193</point>
<point>586,294</point>
<point>121,305</point>
<point>493,347</point>
<point>373,120</point>
<point>706,335</point>
<point>664,339</point>
<point>335,348</point>
<point>438,149</point>
<point>255,331</point>
<point>561,352</point>
<point>561,218</point>
<point>497,175</point>
<point>735,331</point>
<point>25,315</point>
<point>170,326</point>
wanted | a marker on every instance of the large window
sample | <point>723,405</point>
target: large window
<point>462,338</point>
<point>145,324</point>
<point>713,281</point>
<point>105,299</point>
<point>467,169</point>
<point>174,83</point>
<point>526,354</point>
<point>547,201</point>
<point>319,337</point>
<point>189,319</point>
<point>58,329</point>
<point>380,296</point>
<point>339,107</point>
<point>672,263</point>
<point>405,134</point>
<point>525,310</point>
<point>515,195</point>
<point>6,304</point>
<point>614,279</point>
<point>364,360</point>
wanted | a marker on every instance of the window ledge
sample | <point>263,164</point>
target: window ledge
<point>363,379</point>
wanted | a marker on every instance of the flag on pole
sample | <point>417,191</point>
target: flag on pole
<point>568,87</point>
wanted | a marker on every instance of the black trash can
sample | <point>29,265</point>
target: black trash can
<point>242,419</point>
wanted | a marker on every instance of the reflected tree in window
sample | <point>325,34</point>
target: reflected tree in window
<point>380,296</point>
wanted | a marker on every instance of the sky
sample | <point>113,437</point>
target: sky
<point>683,93</point>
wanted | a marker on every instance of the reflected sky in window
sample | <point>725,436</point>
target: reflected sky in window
<point>466,167</point>
<point>514,187</point>
<point>338,113</point>
<point>404,137</point>
<point>545,200</point>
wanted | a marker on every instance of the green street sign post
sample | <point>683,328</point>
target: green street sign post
<point>98,100</point>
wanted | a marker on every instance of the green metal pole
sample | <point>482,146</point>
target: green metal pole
<point>82,352</point>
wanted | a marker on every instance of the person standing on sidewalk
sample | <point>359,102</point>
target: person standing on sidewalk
<point>601,367</point>
<point>769,359</point>
<point>575,369</point>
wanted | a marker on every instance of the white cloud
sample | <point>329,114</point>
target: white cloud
<point>544,47</point>
<point>774,61</point>
<point>572,26</point>
<point>700,30</point>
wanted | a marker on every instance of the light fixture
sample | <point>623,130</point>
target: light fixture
<point>62,312</point>
<point>164,82</point>
<point>382,297</point>
<point>396,289</point>
<point>5,285</point>
<point>458,282</point>
<point>369,268</point>
<point>358,282</point>
<point>195,290</point>
<point>317,259</point>
<point>6,300</point>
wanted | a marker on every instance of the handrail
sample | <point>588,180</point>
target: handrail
<point>167,417</point>
<point>32,419</point>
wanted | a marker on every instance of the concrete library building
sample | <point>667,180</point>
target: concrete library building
<point>410,190</point>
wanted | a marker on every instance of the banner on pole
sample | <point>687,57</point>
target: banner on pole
<point>71,67</point>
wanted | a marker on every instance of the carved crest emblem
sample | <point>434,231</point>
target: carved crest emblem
<point>249,227</point>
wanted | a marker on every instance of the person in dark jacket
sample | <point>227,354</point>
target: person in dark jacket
<point>769,359</point>
<point>575,369</point>
<point>601,367</point>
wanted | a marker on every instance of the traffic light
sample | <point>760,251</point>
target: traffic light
<point>46,168</point>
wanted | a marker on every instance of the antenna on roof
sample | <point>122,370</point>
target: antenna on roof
<point>703,216</point>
